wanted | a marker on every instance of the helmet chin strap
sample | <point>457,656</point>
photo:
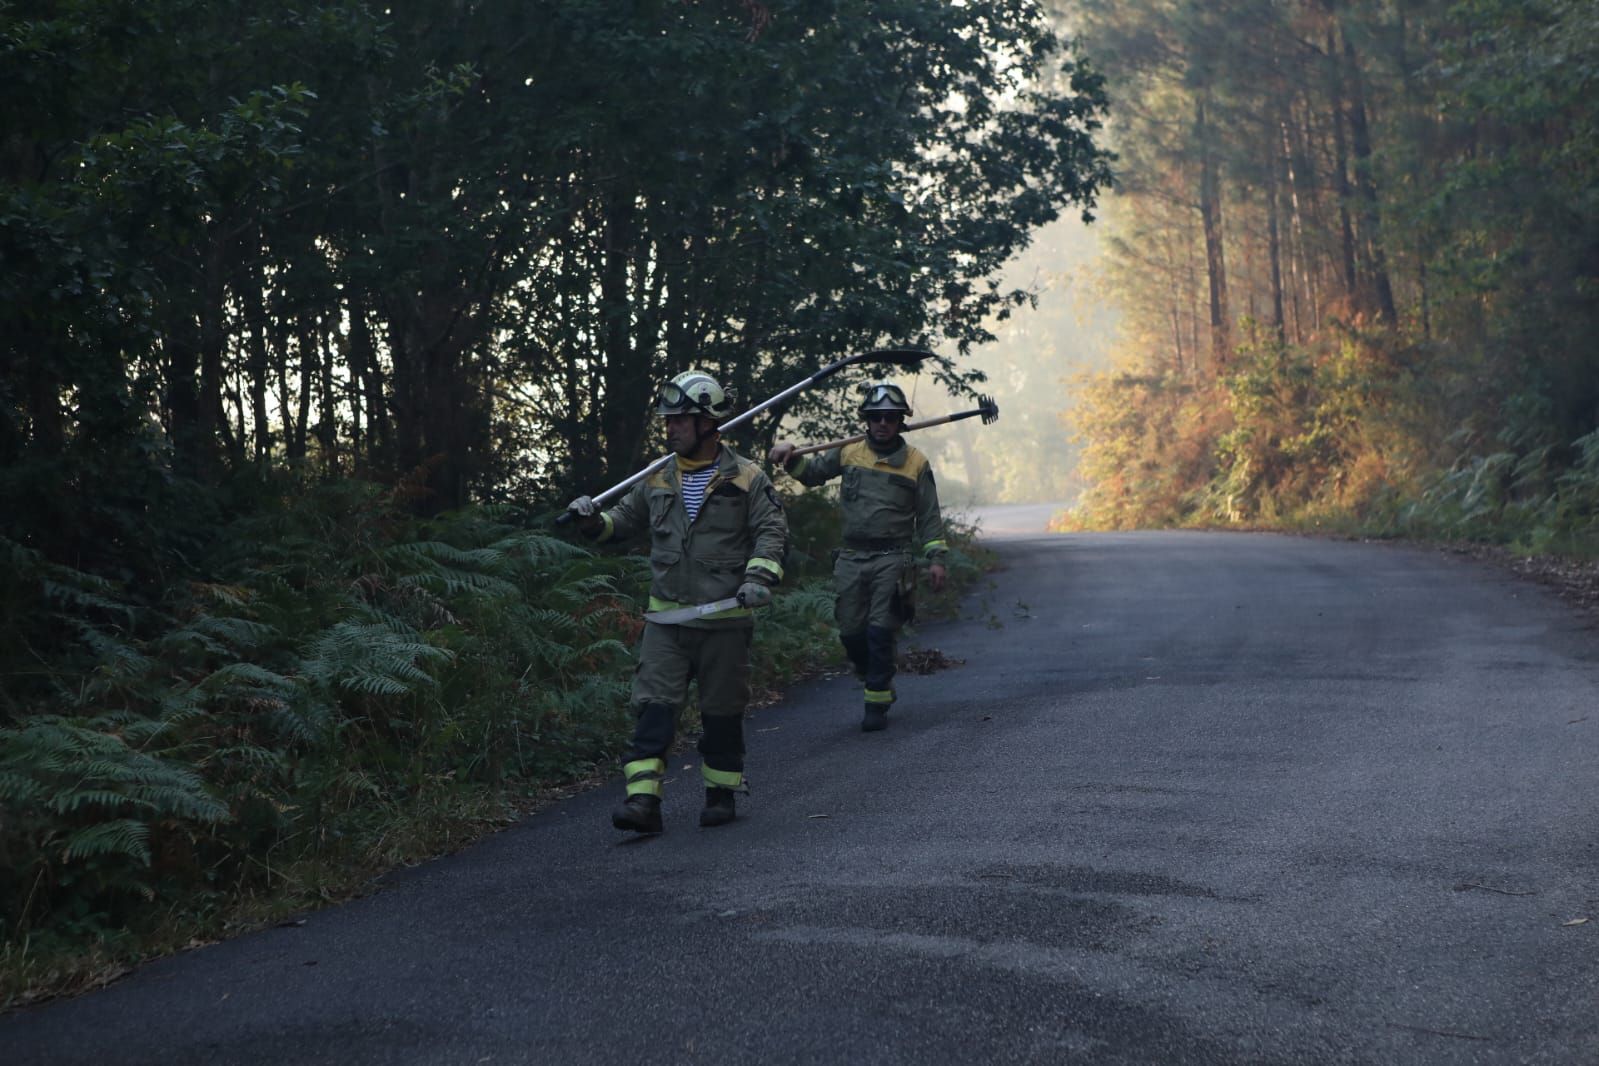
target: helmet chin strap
<point>700,436</point>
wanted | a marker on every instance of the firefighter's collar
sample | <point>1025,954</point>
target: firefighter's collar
<point>896,457</point>
<point>688,466</point>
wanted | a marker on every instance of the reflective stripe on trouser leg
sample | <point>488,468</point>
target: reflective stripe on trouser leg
<point>879,664</point>
<point>644,776</point>
<point>722,751</point>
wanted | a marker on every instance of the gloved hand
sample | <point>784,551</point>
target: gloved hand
<point>754,594</point>
<point>586,513</point>
<point>780,452</point>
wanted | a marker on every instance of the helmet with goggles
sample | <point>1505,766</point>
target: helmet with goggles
<point>694,392</point>
<point>883,396</point>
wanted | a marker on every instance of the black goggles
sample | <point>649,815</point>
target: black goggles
<point>672,395</point>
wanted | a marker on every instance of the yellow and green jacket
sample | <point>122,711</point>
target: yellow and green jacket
<point>889,501</point>
<point>739,535</point>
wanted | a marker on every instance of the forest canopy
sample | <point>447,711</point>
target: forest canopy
<point>474,237</point>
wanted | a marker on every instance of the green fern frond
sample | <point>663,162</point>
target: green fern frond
<point>77,799</point>
<point>216,592</point>
<point>122,837</point>
<point>540,550</point>
<point>223,633</point>
<point>374,685</point>
<point>117,657</point>
<point>251,755</point>
<point>440,552</point>
<point>20,789</point>
<point>248,677</point>
<point>455,582</point>
<point>85,592</point>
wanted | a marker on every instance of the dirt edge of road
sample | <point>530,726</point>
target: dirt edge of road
<point>1575,580</point>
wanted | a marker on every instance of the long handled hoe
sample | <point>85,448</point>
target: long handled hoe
<point>987,408</point>
<point>910,358</point>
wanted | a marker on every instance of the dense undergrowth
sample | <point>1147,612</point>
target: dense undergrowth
<point>325,688</point>
<point>1358,437</point>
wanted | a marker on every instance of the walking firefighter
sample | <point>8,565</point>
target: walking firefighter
<point>890,512</point>
<point>717,537</point>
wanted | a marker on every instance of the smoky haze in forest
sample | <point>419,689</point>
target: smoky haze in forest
<point>1026,456</point>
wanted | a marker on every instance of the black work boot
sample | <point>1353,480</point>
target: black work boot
<point>640,812</point>
<point>875,718</point>
<point>719,809</point>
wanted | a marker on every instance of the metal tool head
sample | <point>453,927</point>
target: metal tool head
<point>989,408</point>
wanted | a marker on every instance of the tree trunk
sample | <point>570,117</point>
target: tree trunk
<point>256,364</point>
<point>327,434</point>
<point>369,382</point>
<point>1215,255</point>
<point>1273,238</point>
<point>308,367</point>
<point>213,341</point>
<point>1346,229</point>
<point>1366,184</point>
<point>627,369</point>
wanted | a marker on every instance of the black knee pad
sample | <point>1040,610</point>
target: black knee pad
<point>653,730</point>
<point>722,743</point>
<point>879,656</point>
<point>855,646</point>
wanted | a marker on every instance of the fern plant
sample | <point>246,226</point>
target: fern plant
<point>85,809</point>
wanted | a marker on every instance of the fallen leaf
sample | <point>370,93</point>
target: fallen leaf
<point>829,816</point>
<point>1576,921</point>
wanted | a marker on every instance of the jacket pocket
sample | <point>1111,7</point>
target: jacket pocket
<point>719,576</point>
<point>850,487</point>
<point>661,514</point>
<point>905,590</point>
<point>666,576</point>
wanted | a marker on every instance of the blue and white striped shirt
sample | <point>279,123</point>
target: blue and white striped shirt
<point>694,482</point>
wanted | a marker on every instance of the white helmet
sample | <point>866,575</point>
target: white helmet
<point>694,392</point>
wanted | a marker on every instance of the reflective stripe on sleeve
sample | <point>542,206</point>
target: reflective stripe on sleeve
<point>769,566</point>
<point>934,546</point>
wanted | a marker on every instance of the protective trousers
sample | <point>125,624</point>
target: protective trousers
<point>669,657</point>
<point>873,602</point>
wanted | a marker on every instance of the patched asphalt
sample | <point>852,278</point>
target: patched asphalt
<point>1197,798</point>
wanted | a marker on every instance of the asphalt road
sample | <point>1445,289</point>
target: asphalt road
<point>1191,798</point>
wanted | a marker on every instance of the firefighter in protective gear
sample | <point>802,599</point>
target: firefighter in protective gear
<point>891,514</point>
<point>717,530</point>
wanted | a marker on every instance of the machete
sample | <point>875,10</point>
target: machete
<point>688,614</point>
